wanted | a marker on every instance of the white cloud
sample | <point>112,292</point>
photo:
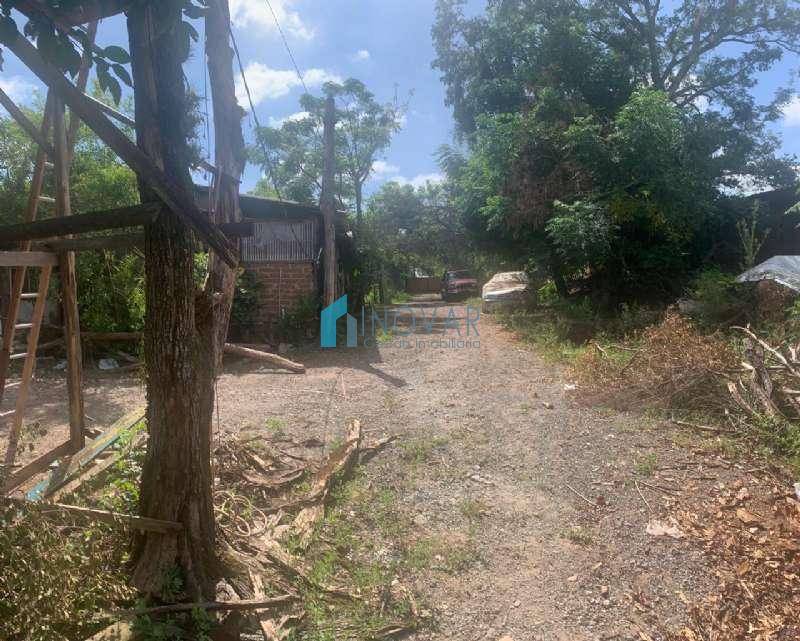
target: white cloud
<point>266,83</point>
<point>17,88</point>
<point>278,122</point>
<point>420,179</point>
<point>383,168</point>
<point>362,55</point>
<point>256,13</point>
<point>791,112</point>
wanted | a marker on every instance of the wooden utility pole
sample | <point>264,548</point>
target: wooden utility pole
<point>328,201</point>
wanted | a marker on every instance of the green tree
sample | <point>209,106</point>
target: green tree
<point>292,154</point>
<point>633,116</point>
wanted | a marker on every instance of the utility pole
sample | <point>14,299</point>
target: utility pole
<point>328,202</point>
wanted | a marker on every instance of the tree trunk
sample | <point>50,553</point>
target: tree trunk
<point>176,478</point>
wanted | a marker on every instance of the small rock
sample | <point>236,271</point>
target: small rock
<point>603,590</point>
<point>606,603</point>
<point>420,520</point>
<point>573,578</point>
<point>506,638</point>
<point>546,405</point>
<point>517,604</point>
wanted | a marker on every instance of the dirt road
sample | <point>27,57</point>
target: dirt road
<point>520,507</point>
<point>520,513</point>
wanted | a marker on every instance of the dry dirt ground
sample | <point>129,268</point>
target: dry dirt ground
<point>526,513</point>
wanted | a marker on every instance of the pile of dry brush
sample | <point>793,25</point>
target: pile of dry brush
<point>670,365</point>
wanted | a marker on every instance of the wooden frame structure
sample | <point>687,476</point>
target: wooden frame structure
<point>56,244</point>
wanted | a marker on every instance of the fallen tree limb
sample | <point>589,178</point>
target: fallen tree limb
<point>338,465</point>
<point>266,357</point>
<point>702,428</point>
<point>112,518</point>
<point>210,606</point>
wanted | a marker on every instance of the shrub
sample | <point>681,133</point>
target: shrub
<point>719,301</point>
<point>293,325</point>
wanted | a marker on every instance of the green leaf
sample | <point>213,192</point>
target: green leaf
<point>122,73</point>
<point>195,12</point>
<point>117,54</point>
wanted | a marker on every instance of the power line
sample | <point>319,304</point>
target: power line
<point>260,140</point>
<point>288,48</point>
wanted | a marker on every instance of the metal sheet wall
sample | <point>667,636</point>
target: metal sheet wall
<point>282,241</point>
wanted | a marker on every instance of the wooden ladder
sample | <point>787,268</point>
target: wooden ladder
<point>17,296</point>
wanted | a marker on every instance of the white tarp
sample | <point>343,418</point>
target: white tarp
<point>504,285</point>
<point>782,269</point>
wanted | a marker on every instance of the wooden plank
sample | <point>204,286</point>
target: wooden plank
<point>23,121</point>
<point>75,465</point>
<point>174,196</point>
<point>112,113</point>
<point>27,368</point>
<point>28,259</point>
<point>69,283</point>
<point>38,465</point>
<point>94,469</point>
<point>133,216</point>
<point>103,516</point>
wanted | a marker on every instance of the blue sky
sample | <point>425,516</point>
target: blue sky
<point>384,43</point>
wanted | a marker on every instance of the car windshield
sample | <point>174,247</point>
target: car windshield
<point>459,274</point>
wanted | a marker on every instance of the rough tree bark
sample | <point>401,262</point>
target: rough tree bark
<point>176,479</point>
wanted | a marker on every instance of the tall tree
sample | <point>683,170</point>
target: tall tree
<point>294,151</point>
<point>638,110</point>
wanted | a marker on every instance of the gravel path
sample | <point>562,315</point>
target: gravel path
<point>541,505</point>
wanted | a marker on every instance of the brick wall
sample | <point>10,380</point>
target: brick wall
<point>281,286</point>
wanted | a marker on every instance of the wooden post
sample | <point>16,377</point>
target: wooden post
<point>69,293</point>
<point>328,202</point>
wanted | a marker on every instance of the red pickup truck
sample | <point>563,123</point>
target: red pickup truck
<point>458,283</point>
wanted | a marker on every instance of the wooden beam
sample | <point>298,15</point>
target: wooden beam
<point>174,196</point>
<point>133,216</point>
<point>69,282</point>
<point>238,230</point>
<point>28,259</point>
<point>112,113</point>
<point>94,243</point>
<point>38,465</point>
<point>22,120</point>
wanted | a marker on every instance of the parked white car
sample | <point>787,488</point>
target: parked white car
<point>506,289</point>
